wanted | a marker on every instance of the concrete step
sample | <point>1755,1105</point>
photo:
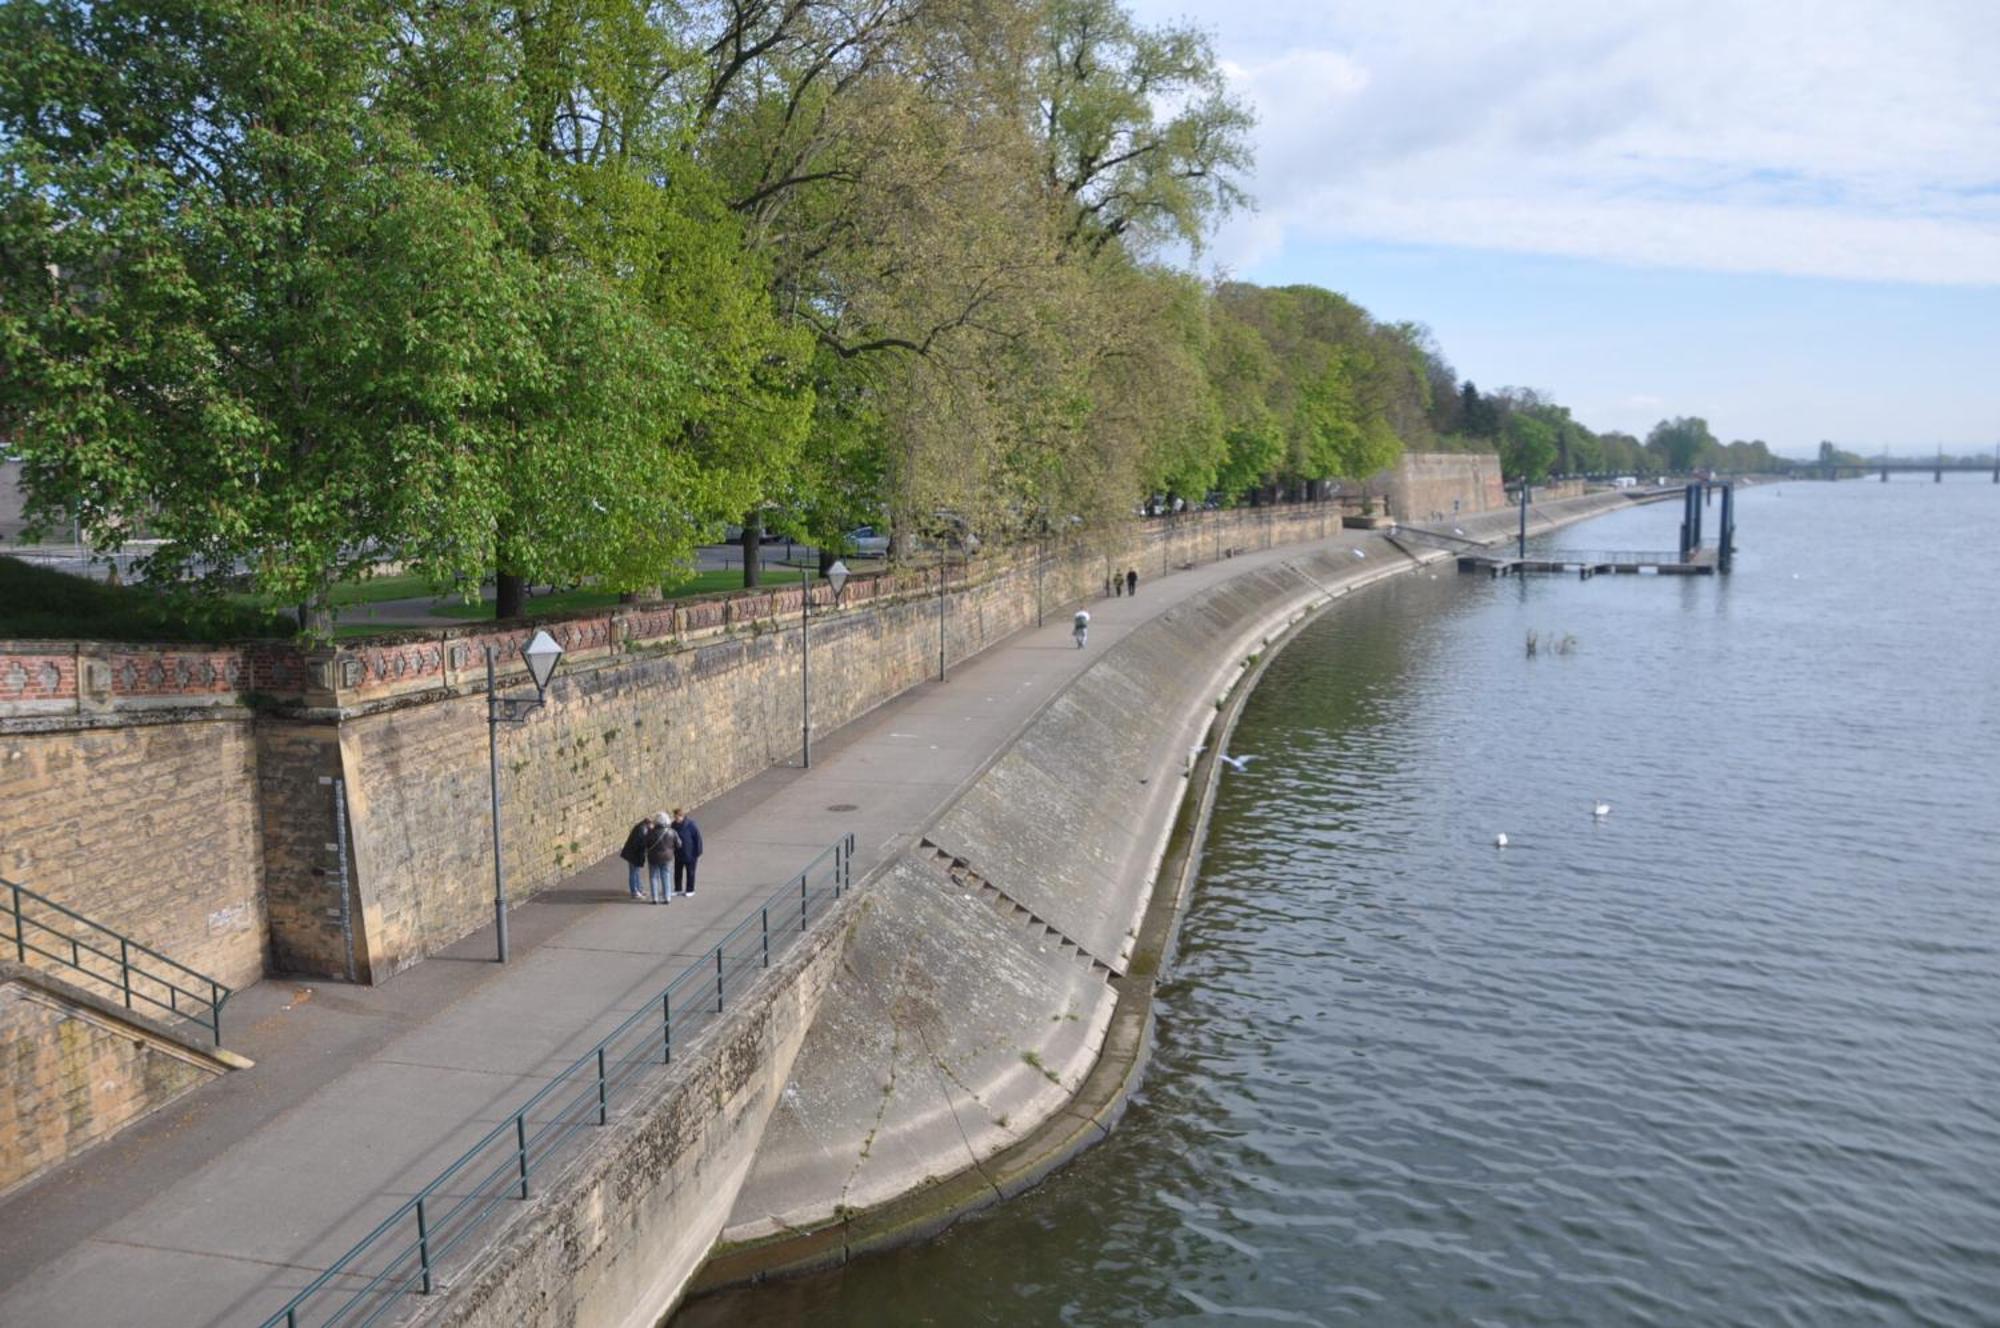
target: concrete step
<point>961,873</point>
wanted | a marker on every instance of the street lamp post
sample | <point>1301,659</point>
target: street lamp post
<point>542,653</point>
<point>836,576</point>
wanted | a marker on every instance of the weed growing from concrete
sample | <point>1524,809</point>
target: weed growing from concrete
<point>1034,1061</point>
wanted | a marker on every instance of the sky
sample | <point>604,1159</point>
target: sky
<point>1780,215</point>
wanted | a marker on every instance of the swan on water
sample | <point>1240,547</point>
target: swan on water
<point>1601,809</point>
<point>1500,840</point>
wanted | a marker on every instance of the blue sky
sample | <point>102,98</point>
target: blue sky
<point>1781,216</point>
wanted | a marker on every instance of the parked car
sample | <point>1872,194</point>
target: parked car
<point>866,540</point>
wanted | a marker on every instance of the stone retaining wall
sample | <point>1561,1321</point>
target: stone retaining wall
<point>189,796</point>
<point>71,1076</point>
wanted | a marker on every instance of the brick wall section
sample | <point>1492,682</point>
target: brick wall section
<point>149,829</point>
<point>70,1078</point>
<point>300,836</point>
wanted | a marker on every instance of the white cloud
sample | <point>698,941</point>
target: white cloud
<point>1845,138</point>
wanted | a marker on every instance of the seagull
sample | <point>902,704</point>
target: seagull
<point>1236,762</point>
<point>1500,841</point>
<point>1601,810</point>
<point>1456,531</point>
<point>1357,553</point>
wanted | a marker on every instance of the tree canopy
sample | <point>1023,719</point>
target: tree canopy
<point>551,290</point>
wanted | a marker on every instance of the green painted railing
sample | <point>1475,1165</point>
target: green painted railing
<point>148,981</point>
<point>408,1251</point>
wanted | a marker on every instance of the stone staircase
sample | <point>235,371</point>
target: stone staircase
<point>961,873</point>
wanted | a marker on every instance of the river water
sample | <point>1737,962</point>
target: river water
<point>1728,1055</point>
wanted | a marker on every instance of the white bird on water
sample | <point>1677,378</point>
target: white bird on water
<point>1500,840</point>
<point>1601,810</point>
<point>1236,762</point>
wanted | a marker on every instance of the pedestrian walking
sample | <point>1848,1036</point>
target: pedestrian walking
<point>687,853</point>
<point>1117,585</point>
<point>1082,629</point>
<point>638,842</point>
<point>660,858</point>
<point>1132,581</point>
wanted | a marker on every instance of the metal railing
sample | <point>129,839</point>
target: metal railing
<point>142,976</point>
<point>408,1250</point>
<point>1603,558</point>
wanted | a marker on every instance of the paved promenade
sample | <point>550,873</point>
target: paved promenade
<point>220,1207</point>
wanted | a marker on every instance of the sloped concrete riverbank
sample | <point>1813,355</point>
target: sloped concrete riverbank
<point>993,1009</point>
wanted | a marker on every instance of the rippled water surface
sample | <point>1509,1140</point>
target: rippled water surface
<point>1730,1055</point>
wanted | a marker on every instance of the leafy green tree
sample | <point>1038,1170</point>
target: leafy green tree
<point>236,304</point>
<point>661,394</point>
<point>1680,442</point>
<point>1527,446</point>
<point>1126,170</point>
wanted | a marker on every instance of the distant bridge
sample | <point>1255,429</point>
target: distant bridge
<point>1887,466</point>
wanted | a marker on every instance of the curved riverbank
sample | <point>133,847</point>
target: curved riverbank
<point>993,1011</point>
<point>1712,1050</point>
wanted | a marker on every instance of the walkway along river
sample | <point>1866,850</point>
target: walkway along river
<point>1726,1055</point>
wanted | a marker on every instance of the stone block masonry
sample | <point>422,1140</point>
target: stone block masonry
<point>193,798</point>
<point>148,828</point>
<point>71,1076</point>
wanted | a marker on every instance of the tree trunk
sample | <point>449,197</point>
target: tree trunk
<point>316,619</point>
<point>753,550</point>
<point>510,595</point>
<point>827,558</point>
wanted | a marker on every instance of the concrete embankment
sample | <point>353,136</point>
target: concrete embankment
<point>992,1010</point>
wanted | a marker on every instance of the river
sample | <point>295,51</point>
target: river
<point>1728,1055</point>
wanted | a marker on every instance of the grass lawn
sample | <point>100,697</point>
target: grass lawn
<point>39,602</point>
<point>582,600</point>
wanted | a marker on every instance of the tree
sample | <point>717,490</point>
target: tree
<point>1527,446</point>
<point>238,306</point>
<point>660,395</point>
<point>1123,170</point>
<point>1680,442</point>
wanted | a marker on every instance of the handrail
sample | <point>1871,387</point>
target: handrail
<point>1605,556</point>
<point>200,1003</point>
<point>404,1251</point>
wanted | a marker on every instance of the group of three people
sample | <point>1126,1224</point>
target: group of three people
<point>658,842</point>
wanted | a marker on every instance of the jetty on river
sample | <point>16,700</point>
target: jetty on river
<point>1589,563</point>
<point>1693,558</point>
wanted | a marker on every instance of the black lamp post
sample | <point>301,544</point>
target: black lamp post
<point>542,653</point>
<point>836,576</point>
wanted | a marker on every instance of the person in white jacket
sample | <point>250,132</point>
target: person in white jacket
<point>1082,629</point>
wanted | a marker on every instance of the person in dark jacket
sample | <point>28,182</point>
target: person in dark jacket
<point>688,854</point>
<point>660,857</point>
<point>637,844</point>
<point>1132,582</point>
